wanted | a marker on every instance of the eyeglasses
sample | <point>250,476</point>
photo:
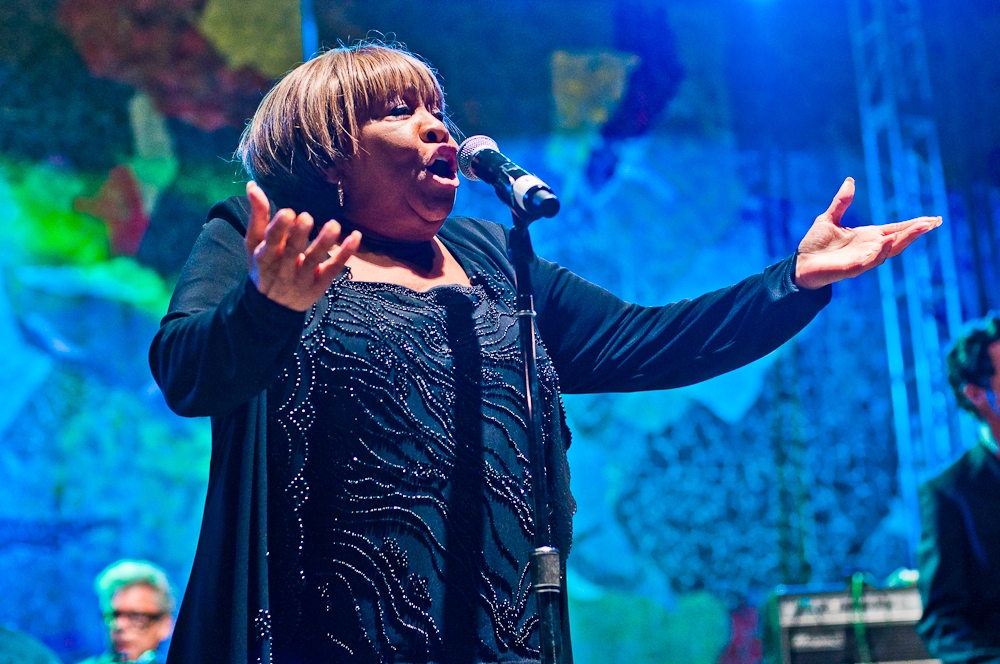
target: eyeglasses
<point>133,619</point>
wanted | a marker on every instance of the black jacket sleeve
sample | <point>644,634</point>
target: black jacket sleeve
<point>221,341</point>
<point>600,343</point>
<point>950,625</point>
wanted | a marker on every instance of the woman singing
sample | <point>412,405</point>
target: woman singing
<point>369,498</point>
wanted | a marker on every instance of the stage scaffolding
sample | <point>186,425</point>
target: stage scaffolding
<point>920,299</point>
<point>310,30</point>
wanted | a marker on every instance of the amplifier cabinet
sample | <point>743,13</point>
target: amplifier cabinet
<point>821,625</point>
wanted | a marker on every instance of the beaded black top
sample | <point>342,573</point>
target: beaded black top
<point>400,520</point>
<point>380,546</point>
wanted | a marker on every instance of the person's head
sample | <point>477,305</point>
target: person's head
<point>974,364</point>
<point>368,120</point>
<point>137,604</point>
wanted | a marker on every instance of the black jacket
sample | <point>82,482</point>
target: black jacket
<point>959,560</point>
<point>221,343</point>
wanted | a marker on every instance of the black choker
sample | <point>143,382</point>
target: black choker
<point>421,254</point>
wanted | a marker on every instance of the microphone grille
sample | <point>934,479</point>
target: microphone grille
<point>468,149</point>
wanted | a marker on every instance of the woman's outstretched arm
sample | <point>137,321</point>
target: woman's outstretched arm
<point>600,343</point>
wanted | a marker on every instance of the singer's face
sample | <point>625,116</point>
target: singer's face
<point>402,183</point>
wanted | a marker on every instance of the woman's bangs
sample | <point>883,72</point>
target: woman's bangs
<point>400,76</point>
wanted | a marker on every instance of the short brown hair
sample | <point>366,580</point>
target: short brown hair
<point>310,120</point>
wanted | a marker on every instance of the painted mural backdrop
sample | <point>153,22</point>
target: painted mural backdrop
<point>118,119</point>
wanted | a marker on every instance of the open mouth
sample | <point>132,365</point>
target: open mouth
<point>442,168</point>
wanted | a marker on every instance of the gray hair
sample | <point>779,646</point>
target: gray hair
<point>126,573</point>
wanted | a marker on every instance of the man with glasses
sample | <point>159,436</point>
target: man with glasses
<point>137,604</point>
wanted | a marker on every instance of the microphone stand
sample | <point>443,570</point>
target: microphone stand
<point>546,565</point>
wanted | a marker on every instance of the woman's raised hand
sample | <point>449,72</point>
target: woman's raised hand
<point>830,252</point>
<point>284,265</point>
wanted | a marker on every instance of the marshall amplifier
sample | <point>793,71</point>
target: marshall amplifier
<point>822,625</point>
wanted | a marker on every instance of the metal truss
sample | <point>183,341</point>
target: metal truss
<point>309,29</point>
<point>920,299</point>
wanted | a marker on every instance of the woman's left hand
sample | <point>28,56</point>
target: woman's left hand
<point>830,252</point>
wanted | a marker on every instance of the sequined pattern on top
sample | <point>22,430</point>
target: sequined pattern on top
<point>400,519</point>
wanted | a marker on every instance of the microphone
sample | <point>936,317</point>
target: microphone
<point>479,158</point>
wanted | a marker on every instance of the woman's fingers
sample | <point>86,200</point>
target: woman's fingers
<point>339,254</point>
<point>285,265</point>
<point>860,257</point>
<point>325,258</point>
<point>841,201</point>
<point>325,242</point>
<point>927,223</point>
<point>260,211</point>
<point>887,251</point>
<point>298,235</point>
<point>909,231</point>
<point>285,232</point>
<point>275,237</point>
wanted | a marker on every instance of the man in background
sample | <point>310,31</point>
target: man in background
<point>959,552</point>
<point>137,604</point>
